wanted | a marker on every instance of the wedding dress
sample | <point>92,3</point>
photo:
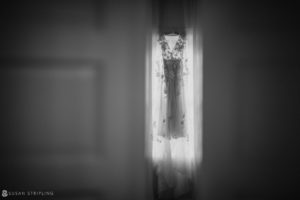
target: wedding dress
<point>172,115</point>
<point>173,165</point>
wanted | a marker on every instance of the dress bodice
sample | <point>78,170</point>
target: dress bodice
<point>172,54</point>
<point>172,58</point>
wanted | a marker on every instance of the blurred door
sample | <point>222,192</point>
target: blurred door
<point>72,98</point>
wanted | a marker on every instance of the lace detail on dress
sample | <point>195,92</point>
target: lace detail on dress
<point>172,54</point>
<point>172,119</point>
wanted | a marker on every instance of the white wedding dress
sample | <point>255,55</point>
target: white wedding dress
<point>172,147</point>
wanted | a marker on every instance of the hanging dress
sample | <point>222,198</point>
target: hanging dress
<point>172,115</point>
<point>172,175</point>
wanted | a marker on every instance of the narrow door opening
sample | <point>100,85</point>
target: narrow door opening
<point>174,102</point>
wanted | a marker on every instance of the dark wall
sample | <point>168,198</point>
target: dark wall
<point>251,95</point>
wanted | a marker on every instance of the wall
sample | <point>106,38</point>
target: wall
<point>251,95</point>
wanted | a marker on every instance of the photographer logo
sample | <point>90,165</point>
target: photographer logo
<point>4,193</point>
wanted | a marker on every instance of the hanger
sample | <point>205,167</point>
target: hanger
<point>172,33</point>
